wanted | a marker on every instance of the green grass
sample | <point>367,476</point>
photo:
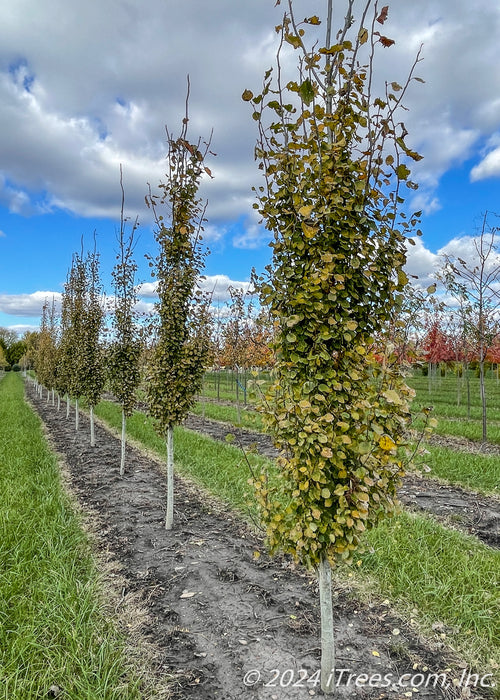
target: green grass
<point>249,418</point>
<point>416,562</point>
<point>471,430</point>
<point>53,629</point>
<point>474,471</point>
<point>448,410</point>
<point>448,576</point>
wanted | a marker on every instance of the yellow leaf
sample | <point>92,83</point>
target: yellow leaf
<point>306,210</point>
<point>375,653</point>
<point>363,35</point>
<point>392,397</point>
<point>309,231</point>
<point>387,443</point>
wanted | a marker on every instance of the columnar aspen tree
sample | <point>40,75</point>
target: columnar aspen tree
<point>65,351</point>
<point>183,322</point>
<point>73,332</point>
<point>334,160</point>
<point>46,351</point>
<point>235,340</point>
<point>91,356</point>
<point>125,350</point>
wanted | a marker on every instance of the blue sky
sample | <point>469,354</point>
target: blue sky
<point>85,87</point>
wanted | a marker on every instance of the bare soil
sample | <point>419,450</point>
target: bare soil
<point>457,507</point>
<point>227,621</point>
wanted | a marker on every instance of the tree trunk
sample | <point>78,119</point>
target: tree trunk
<point>203,398</point>
<point>92,427</point>
<point>327,634</point>
<point>67,406</point>
<point>238,411</point>
<point>170,478</point>
<point>58,402</point>
<point>483,398</point>
<point>124,433</point>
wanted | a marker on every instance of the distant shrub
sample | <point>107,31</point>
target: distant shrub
<point>16,368</point>
<point>7,368</point>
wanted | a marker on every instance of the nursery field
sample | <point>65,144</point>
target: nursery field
<point>418,615</point>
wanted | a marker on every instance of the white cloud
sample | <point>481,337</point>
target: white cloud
<point>467,248</point>
<point>21,328</point>
<point>253,236</point>
<point>71,114</point>
<point>421,263</point>
<point>27,304</point>
<point>488,167</point>
<point>217,285</point>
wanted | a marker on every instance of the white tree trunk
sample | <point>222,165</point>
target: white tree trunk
<point>67,406</point>
<point>327,634</point>
<point>124,432</point>
<point>77,416</point>
<point>170,478</point>
<point>58,402</point>
<point>92,427</point>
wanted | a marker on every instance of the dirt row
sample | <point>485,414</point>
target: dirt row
<point>227,621</point>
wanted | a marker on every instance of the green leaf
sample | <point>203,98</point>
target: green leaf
<point>306,91</point>
<point>402,171</point>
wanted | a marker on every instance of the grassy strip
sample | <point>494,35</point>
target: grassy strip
<point>447,410</point>
<point>448,576</point>
<point>249,418</point>
<point>445,390</point>
<point>52,625</point>
<point>471,430</point>
<point>474,471</point>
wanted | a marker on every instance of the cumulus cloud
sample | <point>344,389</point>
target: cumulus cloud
<point>488,167</point>
<point>422,264</point>
<point>217,285</point>
<point>467,248</point>
<point>27,304</point>
<point>87,86</point>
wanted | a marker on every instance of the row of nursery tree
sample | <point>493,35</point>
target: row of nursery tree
<point>335,164</point>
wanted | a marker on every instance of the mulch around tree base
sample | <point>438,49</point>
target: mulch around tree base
<point>227,621</point>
